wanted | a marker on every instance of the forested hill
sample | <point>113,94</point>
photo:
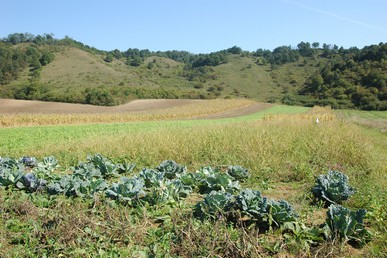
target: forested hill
<point>45,68</point>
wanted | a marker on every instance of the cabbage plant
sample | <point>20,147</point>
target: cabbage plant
<point>251,203</point>
<point>32,183</point>
<point>10,176</point>
<point>214,205</point>
<point>171,169</point>
<point>238,173</point>
<point>281,212</point>
<point>333,187</point>
<point>129,190</point>
<point>346,224</point>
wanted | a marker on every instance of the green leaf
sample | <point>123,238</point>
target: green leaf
<point>348,225</point>
<point>333,187</point>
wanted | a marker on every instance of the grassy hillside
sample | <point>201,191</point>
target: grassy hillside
<point>66,70</point>
<point>73,70</point>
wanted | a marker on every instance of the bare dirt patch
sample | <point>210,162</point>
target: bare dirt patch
<point>12,106</point>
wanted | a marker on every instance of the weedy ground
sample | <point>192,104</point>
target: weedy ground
<point>284,153</point>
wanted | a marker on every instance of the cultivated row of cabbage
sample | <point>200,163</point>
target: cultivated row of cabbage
<point>170,182</point>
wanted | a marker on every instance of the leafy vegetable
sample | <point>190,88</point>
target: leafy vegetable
<point>214,205</point>
<point>151,177</point>
<point>29,161</point>
<point>129,190</point>
<point>49,163</point>
<point>168,192</point>
<point>252,204</point>
<point>59,186</point>
<point>87,172</point>
<point>347,225</point>
<point>171,169</point>
<point>296,232</point>
<point>333,187</point>
<point>9,176</point>
<point>104,165</point>
<point>32,183</point>
<point>216,181</point>
<point>76,186</point>
<point>8,163</point>
<point>281,212</point>
<point>238,172</point>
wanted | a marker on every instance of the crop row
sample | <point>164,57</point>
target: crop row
<point>169,182</point>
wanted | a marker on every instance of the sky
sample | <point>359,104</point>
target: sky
<point>199,26</point>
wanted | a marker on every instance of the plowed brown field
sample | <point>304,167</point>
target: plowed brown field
<point>11,106</point>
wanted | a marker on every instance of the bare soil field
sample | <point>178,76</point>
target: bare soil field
<point>11,106</point>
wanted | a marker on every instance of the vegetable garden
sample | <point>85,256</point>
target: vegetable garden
<point>217,190</point>
<point>297,188</point>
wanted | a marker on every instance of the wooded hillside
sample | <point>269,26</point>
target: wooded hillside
<point>45,68</point>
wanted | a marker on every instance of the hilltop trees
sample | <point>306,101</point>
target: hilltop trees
<point>283,55</point>
<point>356,78</point>
<point>304,49</point>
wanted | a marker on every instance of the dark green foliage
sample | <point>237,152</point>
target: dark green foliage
<point>151,177</point>
<point>354,78</point>
<point>281,212</point>
<point>304,49</point>
<point>347,225</point>
<point>99,97</point>
<point>234,50</point>
<point>32,183</point>
<point>46,58</point>
<point>29,161</point>
<point>109,57</point>
<point>208,181</point>
<point>9,177</point>
<point>283,55</point>
<point>214,205</point>
<point>74,186</point>
<point>171,169</point>
<point>129,190</point>
<point>212,59</point>
<point>238,173</point>
<point>332,187</point>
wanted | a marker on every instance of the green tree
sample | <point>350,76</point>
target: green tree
<point>234,50</point>
<point>305,49</point>
<point>109,57</point>
<point>135,61</point>
<point>99,97</point>
<point>46,58</point>
<point>315,44</point>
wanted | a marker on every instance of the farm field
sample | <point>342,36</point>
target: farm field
<point>282,147</point>
<point>27,113</point>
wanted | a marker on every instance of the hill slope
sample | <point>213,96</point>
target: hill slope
<point>68,71</point>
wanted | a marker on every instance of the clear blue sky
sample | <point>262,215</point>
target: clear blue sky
<point>199,26</point>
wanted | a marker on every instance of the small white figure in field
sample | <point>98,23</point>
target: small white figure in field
<point>317,120</point>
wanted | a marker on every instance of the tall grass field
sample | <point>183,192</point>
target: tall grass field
<point>282,147</point>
